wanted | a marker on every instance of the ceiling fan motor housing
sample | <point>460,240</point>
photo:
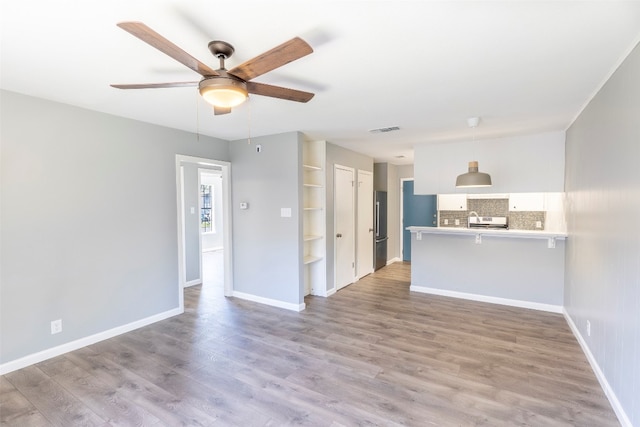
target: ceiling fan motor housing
<point>223,91</point>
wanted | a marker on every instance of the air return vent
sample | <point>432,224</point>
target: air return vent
<point>384,130</point>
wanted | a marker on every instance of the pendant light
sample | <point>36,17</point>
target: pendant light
<point>473,178</point>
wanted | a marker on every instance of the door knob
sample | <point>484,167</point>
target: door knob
<point>339,235</point>
<point>370,230</point>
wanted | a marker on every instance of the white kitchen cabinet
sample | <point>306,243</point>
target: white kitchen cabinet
<point>452,202</point>
<point>519,202</point>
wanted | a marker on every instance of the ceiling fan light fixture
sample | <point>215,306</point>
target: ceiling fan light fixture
<point>473,178</point>
<point>223,92</point>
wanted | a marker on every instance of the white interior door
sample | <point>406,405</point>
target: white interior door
<point>344,215</point>
<point>365,257</point>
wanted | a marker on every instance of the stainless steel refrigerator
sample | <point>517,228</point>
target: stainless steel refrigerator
<point>380,222</point>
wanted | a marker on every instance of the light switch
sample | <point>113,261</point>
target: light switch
<point>285,212</point>
<point>193,210</point>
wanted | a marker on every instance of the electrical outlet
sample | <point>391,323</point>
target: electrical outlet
<point>56,326</point>
<point>457,222</point>
<point>538,224</point>
<point>446,222</point>
<point>588,328</point>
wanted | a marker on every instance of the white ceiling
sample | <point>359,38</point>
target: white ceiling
<point>522,66</point>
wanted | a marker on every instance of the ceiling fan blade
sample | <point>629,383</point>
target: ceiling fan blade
<point>221,110</point>
<point>155,85</point>
<point>289,51</point>
<point>279,92</point>
<point>149,36</point>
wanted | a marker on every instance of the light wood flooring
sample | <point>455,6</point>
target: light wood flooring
<point>372,354</point>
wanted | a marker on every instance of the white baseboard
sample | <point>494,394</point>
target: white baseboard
<point>319,292</point>
<point>269,301</point>
<point>324,293</point>
<point>193,283</point>
<point>392,260</point>
<point>608,391</point>
<point>493,300</point>
<point>49,353</point>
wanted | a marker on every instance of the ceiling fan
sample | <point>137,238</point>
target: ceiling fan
<point>221,88</point>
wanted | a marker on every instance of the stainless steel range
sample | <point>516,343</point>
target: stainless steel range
<point>493,222</point>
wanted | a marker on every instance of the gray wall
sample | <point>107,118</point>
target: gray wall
<point>339,156</point>
<point>88,220</point>
<point>512,268</point>
<point>267,250</point>
<point>405,171</point>
<point>603,250</point>
<point>380,173</point>
<point>191,223</point>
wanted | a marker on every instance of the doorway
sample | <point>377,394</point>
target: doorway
<point>344,220</point>
<point>211,229</point>
<point>190,220</point>
<point>418,210</point>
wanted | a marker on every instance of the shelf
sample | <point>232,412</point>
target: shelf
<point>312,168</point>
<point>313,218</point>
<point>308,259</point>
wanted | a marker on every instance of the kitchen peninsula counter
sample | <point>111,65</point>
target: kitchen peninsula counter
<point>504,233</point>
<point>513,267</point>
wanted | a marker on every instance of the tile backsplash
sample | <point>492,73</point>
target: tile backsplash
<point>489,207</point>
<point>518,220</point>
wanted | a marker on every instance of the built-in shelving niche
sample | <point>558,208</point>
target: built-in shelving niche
<point>314,220</point>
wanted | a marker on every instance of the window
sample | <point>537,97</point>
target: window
<point>206,209</point>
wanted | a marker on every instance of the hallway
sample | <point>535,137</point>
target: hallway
<point>213,270</point>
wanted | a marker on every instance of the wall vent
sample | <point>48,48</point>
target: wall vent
<point>384,130</point>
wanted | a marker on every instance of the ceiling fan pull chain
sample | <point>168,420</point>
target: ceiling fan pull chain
<point>249,121</point>
<point>197,118</point>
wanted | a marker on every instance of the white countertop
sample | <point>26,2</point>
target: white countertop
<point>526,234</point>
